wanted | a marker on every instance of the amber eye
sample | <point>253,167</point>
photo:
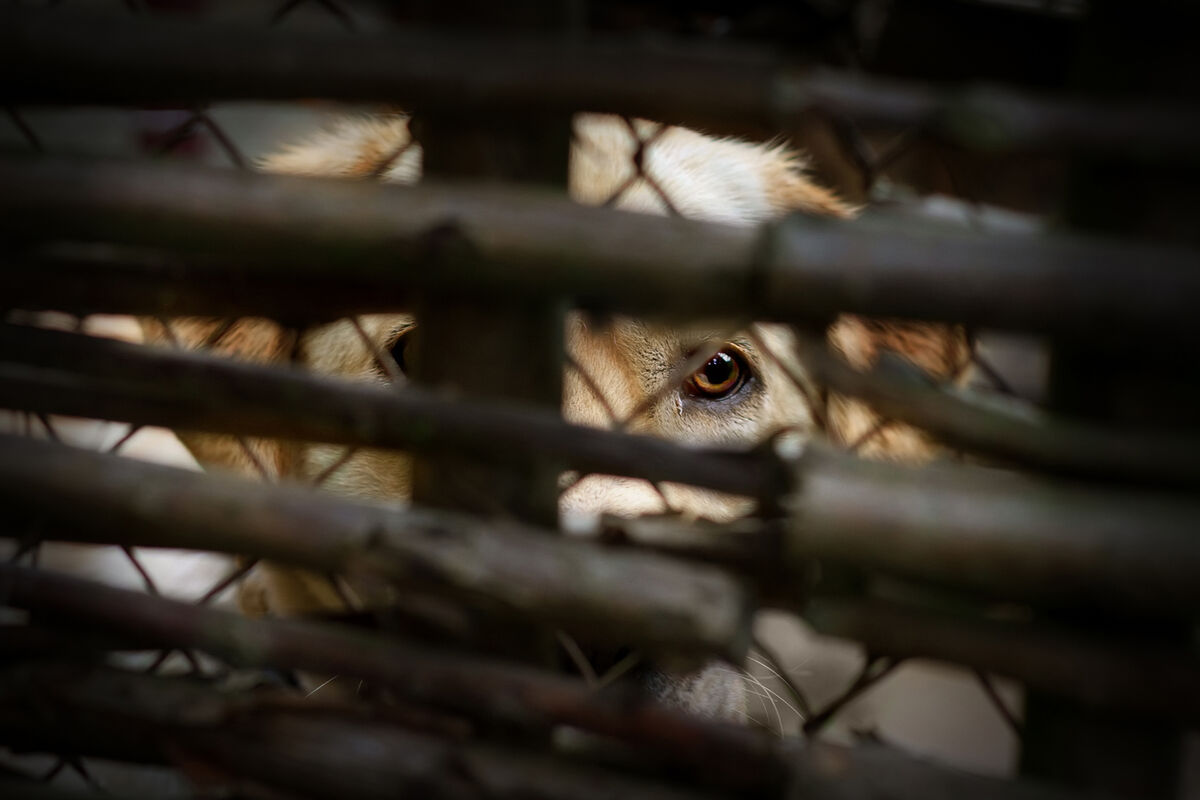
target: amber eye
<point>721,376</point>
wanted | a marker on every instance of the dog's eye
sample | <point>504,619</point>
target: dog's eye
<point>721,376</point>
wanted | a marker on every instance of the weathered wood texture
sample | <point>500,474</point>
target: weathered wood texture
<point>508,568</point>
<point>1125,381</point>
<point>308,248</point>
<point>476,348</point>
<point>325,750</point>
<point>487,691</point>
<point>936,526</point>
<point>1007,427</point>
<point>88,59</point>
<point>62,373</point>
<point>1108,568</point>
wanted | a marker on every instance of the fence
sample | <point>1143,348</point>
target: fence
<point>1055,546</point>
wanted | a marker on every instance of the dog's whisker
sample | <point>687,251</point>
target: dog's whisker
<point>776,667</point>
<point>786,703</point>
<point>762,701</point>
<point>752,680</point>
<point>799,670</point>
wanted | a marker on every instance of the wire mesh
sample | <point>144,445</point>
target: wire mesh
<point>825,413</point>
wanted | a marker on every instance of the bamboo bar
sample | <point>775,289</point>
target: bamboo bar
<point>1121,382</point>
<point>521,357</point>
<point>369,247</point>
<point>310,749</point>
<point>88,59</point>
<point>1109,673</point>
<point>1005,534</point>
<point>319,749</point>
<point>508,568</point>
<point>1006,427</point>
<point>62,373</point>
<point>476,688</point>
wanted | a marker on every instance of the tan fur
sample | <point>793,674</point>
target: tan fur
<point>627,360</point>
<point>942,351</point>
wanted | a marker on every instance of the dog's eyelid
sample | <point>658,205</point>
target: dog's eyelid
<point>693,348</point>
<point>400,331</point>
<point>399,334</point>
<point>743,349</point>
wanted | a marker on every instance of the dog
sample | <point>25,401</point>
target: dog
<point>622,369</point>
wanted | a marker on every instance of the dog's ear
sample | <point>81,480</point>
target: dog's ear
<point>248,339</point>
<point>790,189</point>
<point>353,148</point>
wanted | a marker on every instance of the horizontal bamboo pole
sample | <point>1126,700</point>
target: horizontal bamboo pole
<point>1028,654</point>
<point>78,59</point>
<point>476,688</point>
<point>1114,674</point>
<point>102,279</point>
<point>1008,535</point>
<point>618,597</point>
<point>33,788</point>
<point>306,248</point>
<point>872,772</point>
<point>305,749</point>
<point>1005,534</point>
<point>62,373</point>
<point>326,750</point>
<point>1005,427</point>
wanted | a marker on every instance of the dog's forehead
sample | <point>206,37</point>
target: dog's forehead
<point>676,337</point>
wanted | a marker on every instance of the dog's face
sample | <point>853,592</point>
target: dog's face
<point>701,383</point>
<point>623,371</point>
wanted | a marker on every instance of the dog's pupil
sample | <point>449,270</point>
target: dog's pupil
<point>719,368</point>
